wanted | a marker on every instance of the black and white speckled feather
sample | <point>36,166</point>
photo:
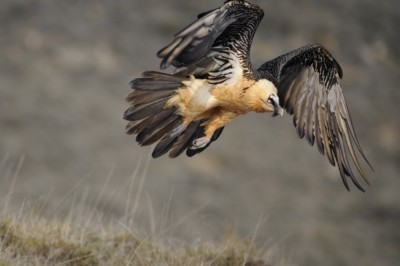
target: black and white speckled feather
<point>217,44</point>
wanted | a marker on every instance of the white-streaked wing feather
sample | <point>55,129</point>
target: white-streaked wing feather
<point>205,44</point>
<point>309,88</point>
<point>322,114</point>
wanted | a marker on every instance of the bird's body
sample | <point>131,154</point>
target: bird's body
<point>215,82</point>
<point>198,99</point>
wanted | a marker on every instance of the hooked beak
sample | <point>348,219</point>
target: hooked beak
<point>274,100</point>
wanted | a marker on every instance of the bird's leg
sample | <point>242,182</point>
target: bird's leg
<point>218,120</point>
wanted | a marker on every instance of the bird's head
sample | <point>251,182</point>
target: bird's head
<point>268,97</point>
<point>273,101</point>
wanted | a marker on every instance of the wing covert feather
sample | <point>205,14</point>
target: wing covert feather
<point>215,28</point>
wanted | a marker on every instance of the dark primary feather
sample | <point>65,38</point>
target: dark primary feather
<point>308,82</point>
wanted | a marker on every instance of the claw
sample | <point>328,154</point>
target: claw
<point>200,143</point>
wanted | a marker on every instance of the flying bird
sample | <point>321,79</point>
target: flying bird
<point>214,82</point>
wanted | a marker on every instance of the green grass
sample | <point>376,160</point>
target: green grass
<point>36,241</point>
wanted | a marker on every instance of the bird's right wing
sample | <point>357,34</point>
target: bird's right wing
<point>308,81</point>
<point>215,32</point>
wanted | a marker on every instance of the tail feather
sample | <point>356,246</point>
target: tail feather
<point>138,97</point>
<point>132,127</point>
<point>150,94</point>
<point>157,131</point>
<point>217,133</point>
<point>152,121</point>
<point>142,111</point>
<point>136,127</point>
<point>150,83</point>
<point>185,139</point>
<point>168,141</point>
<point>162,132</point>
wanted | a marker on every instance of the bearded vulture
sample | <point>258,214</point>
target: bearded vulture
<point>214,82</point>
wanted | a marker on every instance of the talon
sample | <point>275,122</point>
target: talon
<point>200,143</point>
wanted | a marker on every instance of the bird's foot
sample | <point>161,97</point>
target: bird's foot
<point>200,143</point>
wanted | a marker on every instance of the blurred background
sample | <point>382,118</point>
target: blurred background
<point>64,73</point>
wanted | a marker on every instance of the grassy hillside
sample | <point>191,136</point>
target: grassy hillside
<point>30,235</point>
<point>35,241</point>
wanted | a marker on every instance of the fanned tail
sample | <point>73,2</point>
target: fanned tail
<point>152,122</point>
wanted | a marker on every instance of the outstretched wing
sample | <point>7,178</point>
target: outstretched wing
<point>308,81</point>
<point>208,44</point>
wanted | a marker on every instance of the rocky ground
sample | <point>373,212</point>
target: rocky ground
<point>64,72</point>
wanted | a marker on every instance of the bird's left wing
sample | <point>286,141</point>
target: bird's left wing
<point>308,82</point>
<point>227,29</point>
